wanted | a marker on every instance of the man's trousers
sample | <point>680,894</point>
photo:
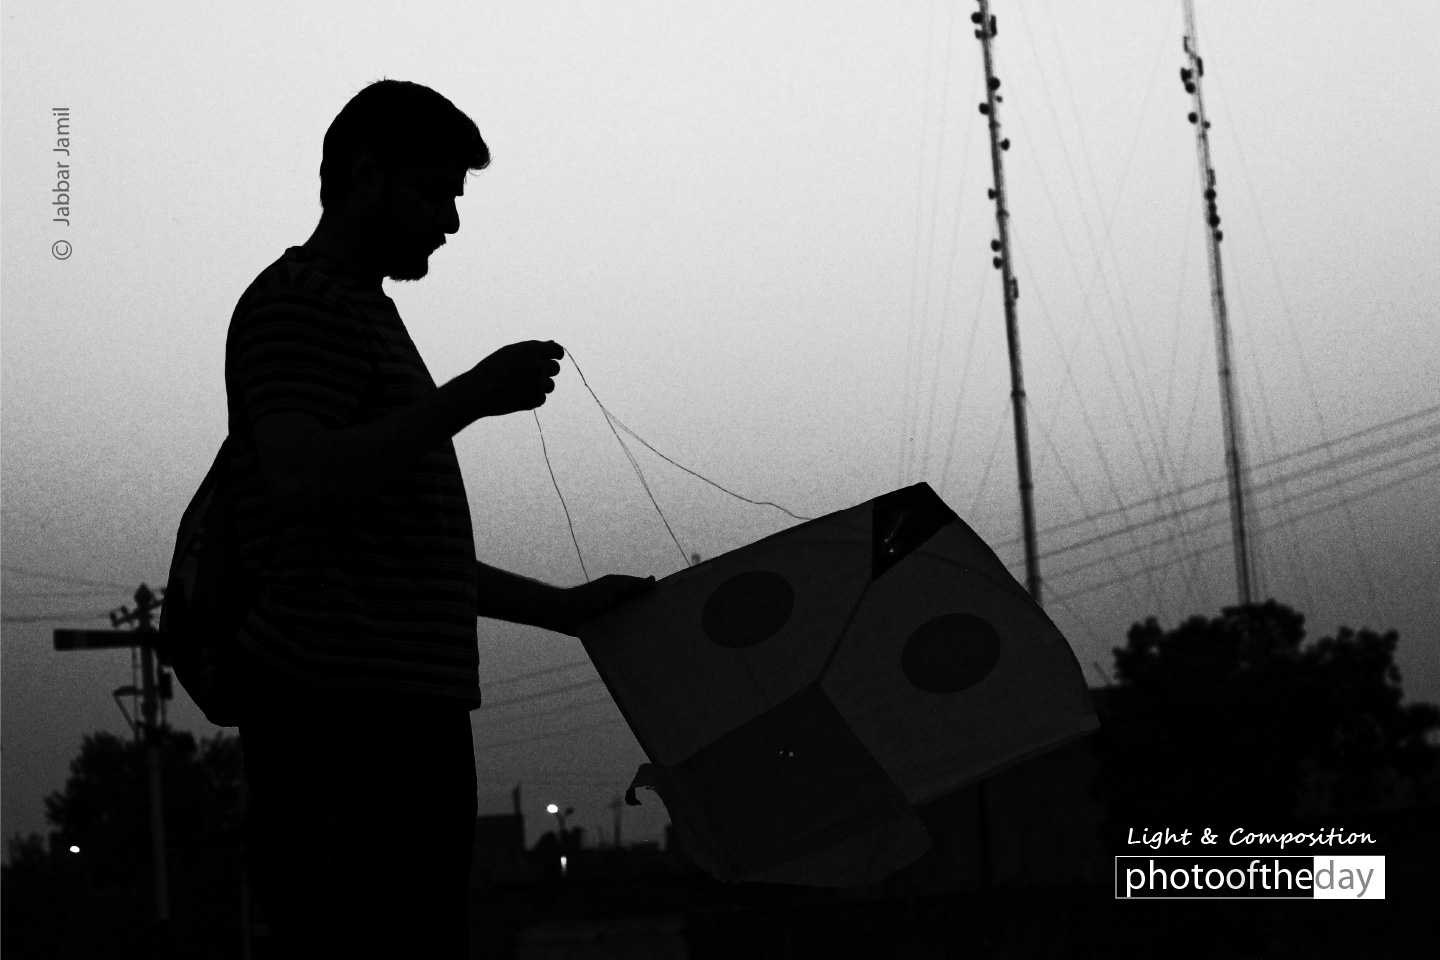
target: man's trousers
<point>362,816</point>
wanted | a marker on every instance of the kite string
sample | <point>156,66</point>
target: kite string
<point>568,521</point>
<point>615,421</point>
<point>612,422</point>
<point>635,465</point>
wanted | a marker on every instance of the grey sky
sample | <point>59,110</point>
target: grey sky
<point>754,224</point>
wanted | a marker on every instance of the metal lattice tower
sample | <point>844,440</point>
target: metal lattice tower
<point>1235,466</point>
<point>985,32</point>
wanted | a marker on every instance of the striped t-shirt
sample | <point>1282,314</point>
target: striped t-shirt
<point>378,593</point>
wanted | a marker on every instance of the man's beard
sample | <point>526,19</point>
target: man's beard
<point>408,264</point>
<point>399,259</point>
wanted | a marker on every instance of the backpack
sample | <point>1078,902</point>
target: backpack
<point>206,598</point>
<point>210,590</point>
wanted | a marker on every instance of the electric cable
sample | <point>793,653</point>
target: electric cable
<point>1323,508</point>
<point>64,578</point>
<point>496,745</point>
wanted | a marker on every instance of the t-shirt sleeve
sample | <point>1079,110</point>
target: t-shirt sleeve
<point>298,354</point>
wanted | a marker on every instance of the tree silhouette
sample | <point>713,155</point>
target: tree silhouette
<point>100,901</point>
<point>1236,719</point>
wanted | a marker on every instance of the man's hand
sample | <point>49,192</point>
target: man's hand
<point>586,602</point>
<point>513,378</point>
<point>309,467</point>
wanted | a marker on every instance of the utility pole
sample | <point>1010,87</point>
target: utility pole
<point>561,835</point>
<point>617,805</point>
<point>141,634</point>
<point>985,31</point>
<point>1229,414</point>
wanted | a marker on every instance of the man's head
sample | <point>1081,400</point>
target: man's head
<point>395,160</point>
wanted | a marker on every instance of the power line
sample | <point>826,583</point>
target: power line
<point>1089,424</point>
<point>1104,245</point>
<point>1108,558</point>
<point>939,353</point>
<point>990,462</point>
<point>964,375</point>
<point>1280,503</point>
<point>905,381</point>
<point>551,711</point>
<point>1080,498</point>
<point>1272,482</point>
<point>1158,437</point>
<point>58,615</point>
<point>604,771</point>
<point>1099,277</point>
<point>1380,447</point>
<point>1299,350</point>
<point>542,672</point>
<point>64,578</point>
<point>1324,508</point>
<point>548,736</point>
<point>1062,598</point>
<point>550,779</point>
<point>526,697</point>
<point>913,416</point>
<point>58,594</point>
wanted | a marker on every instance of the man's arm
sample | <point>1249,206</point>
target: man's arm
<point>502,595</point>
<point>307,465</point>
<point>508,596</point>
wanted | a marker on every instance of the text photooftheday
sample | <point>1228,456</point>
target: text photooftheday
<point>1261,877</point>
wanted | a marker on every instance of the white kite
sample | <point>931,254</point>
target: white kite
<point>799,697</point>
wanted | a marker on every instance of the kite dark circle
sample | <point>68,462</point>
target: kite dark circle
<point>950,653</point>
<point>747,609</point>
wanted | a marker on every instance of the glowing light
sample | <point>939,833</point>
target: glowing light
<point>74,849</point>
<point>562,864</point>
<point>552,809</point>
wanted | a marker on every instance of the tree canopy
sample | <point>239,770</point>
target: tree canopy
<point>100,901</point>
<point>1238,717</point>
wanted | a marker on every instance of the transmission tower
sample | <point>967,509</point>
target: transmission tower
<point>1235,467</point>
<point>985,30</point>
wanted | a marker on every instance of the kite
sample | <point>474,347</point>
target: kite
<point>800,697</point>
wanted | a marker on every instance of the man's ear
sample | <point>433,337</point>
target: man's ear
<point>367,175</point>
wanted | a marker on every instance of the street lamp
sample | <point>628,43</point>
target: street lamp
<point>560,816</point>
<point>552,809</point>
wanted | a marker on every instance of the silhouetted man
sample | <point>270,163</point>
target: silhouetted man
<point>361,646</point>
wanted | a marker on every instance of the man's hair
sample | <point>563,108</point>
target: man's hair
<point>405,124</point>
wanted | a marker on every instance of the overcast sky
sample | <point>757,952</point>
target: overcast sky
<point>762,230</point>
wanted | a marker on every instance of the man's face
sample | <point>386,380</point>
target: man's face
<point>413,216</point>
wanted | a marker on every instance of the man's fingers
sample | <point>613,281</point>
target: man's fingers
<point>520,375</point>
<point>545,348</point>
